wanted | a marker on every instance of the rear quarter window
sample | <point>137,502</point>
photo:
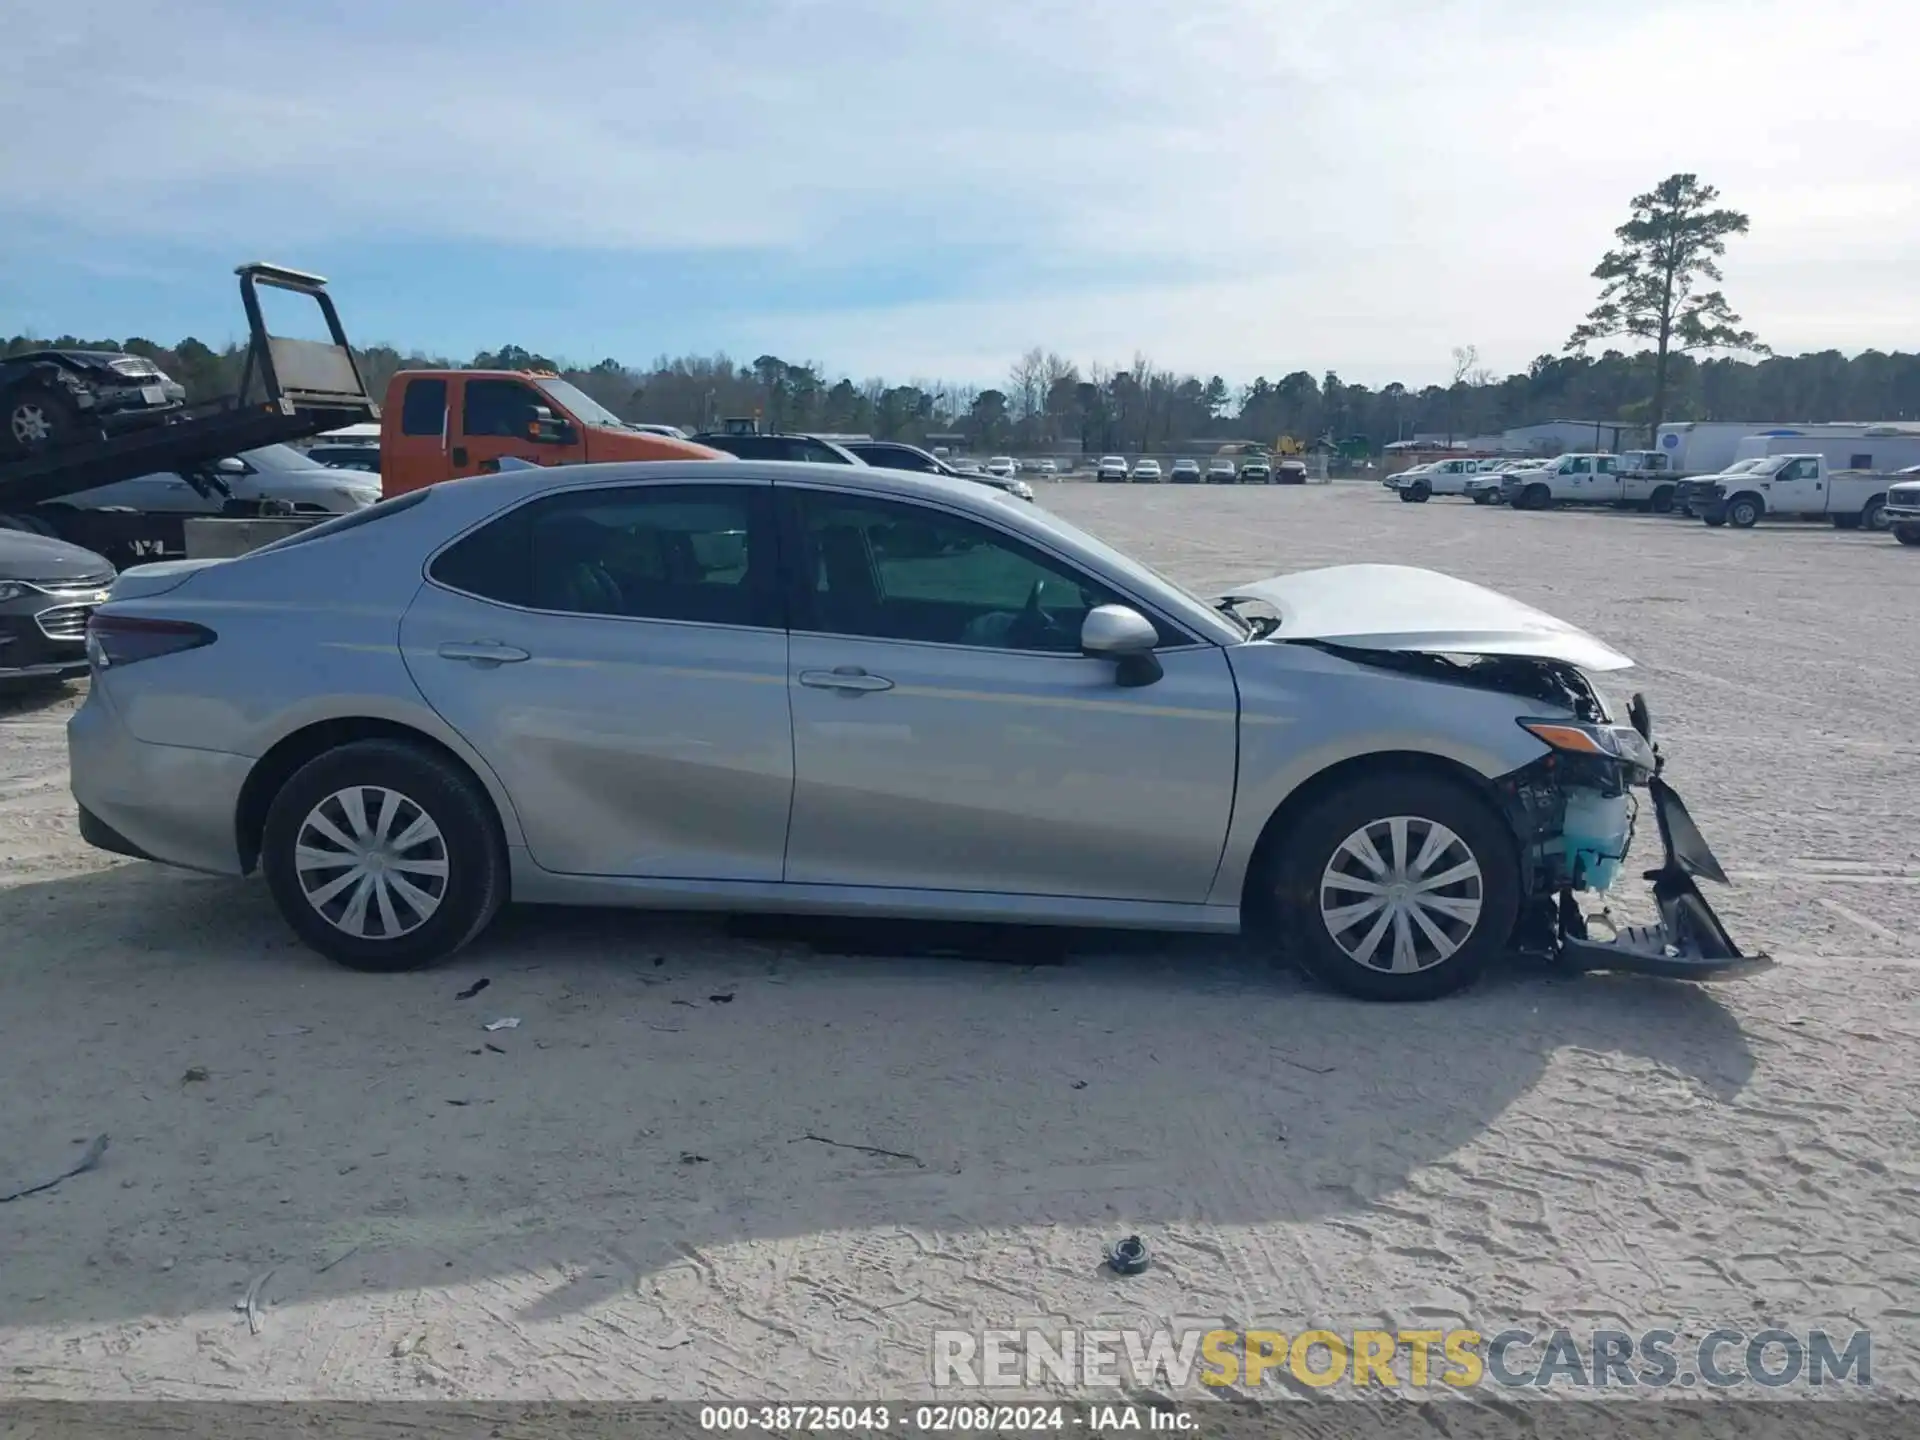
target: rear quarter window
<point>352,521</point>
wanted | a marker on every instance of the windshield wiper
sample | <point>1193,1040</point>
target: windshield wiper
<point>1258,627</point>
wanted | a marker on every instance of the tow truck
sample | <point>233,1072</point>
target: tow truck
<point>289,390</point>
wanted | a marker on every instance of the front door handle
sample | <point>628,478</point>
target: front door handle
<point>459,454</point>
<point>487,653</point>
<point>850,678</point>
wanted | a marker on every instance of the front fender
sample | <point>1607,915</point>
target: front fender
<point>1304,710</point>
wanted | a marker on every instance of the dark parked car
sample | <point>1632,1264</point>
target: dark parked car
<point>898,455</point>
<point>54,398</point>
<point>779,447</point>
<point>1290,472</point>
<point>47,590</point>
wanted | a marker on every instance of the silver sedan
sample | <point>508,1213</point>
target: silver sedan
<point>790,687</point>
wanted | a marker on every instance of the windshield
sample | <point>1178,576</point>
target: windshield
<point>1191,609</point>
<point>584,408</point>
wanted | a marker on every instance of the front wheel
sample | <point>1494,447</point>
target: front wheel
<point>1743,513</point>
<point>1907,534</point>
<point>384,856</point>
<point>1481,497</point>
<point>1536,497</point>
<point>1397,887</point>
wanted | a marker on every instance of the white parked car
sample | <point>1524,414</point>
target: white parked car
<point>1004,466</point>
<point>1111,470</point>
<point>1146,472</point>
<point>1047,468</point>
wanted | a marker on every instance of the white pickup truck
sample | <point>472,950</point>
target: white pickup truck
<point>1795,486</point>
<point>1584,478</point>
<point>1438,477</point>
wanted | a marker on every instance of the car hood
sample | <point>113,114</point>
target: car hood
<point>38,558</point>
<point>1398,607</point>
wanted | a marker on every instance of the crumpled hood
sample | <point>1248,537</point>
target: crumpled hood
<point>1399,607</point>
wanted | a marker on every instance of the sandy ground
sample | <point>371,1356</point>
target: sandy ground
<point>654,1186</point>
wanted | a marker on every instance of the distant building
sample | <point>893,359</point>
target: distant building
<point>1552,437</point>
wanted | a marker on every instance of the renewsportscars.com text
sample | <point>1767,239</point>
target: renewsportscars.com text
<point>1413,1359</point>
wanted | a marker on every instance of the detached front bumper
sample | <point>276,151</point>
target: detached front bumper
<point>1688,940</point>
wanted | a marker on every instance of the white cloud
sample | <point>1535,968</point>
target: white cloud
<point>1357,185</point>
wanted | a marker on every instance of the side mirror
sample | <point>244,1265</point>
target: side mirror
<point>546,428</point>
<point>1122,634</point>
<point>232,465</point>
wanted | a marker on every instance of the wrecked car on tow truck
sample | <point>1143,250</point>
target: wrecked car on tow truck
<point>745,685</point>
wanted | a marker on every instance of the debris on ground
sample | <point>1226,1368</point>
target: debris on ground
<point>344,1255</point>
<point>1079,1084</point>
<point>495,1048</point>
<point>687,1157</point>
<point>195,1075</point>
<point>250,1306</point>
<point>473,989</point>
<point>725,998</point>
<point>287,1032</point>
<point>86,1162</point>
<point>863,1149</point>
<point>1128,1256</point>
<point>511,1022</point>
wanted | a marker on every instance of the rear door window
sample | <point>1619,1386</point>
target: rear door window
<point>701,553</point>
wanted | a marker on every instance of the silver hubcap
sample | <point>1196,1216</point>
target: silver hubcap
<point>1401,894</point>
<point>30,424</point>
<point>372,862</point>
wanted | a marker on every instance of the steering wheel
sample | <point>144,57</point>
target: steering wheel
<point>1037,629</point>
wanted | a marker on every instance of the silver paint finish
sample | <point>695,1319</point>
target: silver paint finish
<point>658,763</point>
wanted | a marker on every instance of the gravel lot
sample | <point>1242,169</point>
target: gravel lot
<point>654,1186</point>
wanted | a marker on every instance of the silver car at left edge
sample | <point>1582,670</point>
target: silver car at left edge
<point>836,689</point>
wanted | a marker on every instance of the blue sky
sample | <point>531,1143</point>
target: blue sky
<point>922,188</point>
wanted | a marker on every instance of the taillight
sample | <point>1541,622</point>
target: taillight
<point>122,639</point>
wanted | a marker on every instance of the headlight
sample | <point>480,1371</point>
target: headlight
<point>11,590</point>
<point>1617,742</point>
<point>134,366</point>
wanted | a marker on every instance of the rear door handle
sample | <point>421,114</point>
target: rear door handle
<point>850,678</point>
<point>483,652</point>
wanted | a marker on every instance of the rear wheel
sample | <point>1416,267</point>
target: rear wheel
<point>1662,501</point>
<point>1874,516</point>
<point>384,856</point>
<point>1397,887</point>
<point>37,421</point>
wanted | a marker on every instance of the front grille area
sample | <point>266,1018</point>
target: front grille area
<point>64,622</point>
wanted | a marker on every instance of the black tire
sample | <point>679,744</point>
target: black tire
<point>1744,512</point>
<point>1301,859</point>
<point>1422,492</point>
<point>1874,516</point>
<point>1715,518</point>
<point>1407,497</point>
<point>474,887</point>
<point>37,420</point>
<point>1662,501</point>
<point>1907,534</point>
<point>1481,497</point>
<point>1535,497</point>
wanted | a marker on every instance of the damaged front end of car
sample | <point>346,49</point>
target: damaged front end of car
<point>1575,811</point>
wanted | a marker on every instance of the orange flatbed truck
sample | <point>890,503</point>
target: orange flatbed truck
<point>442,424</point>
